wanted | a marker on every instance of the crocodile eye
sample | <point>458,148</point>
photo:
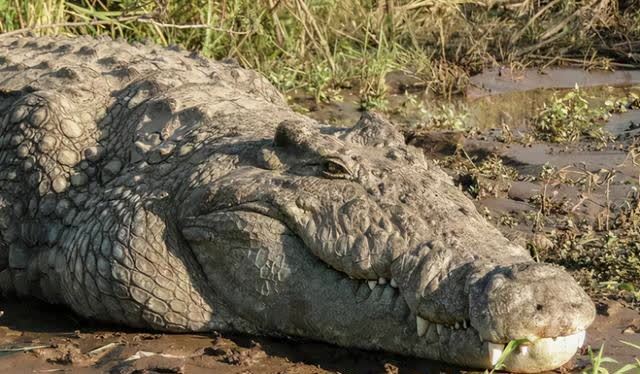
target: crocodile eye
<point>334,169</point>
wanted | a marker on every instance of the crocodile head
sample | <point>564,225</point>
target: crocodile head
<point>153,188</point>
<point>352,237</point>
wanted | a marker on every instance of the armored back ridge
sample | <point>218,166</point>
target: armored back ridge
<point>158,189</point>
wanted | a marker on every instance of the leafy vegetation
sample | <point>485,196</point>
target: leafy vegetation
<point>604,253</point>
<point>597,360</point>
<point>489,177</point>
<point>569,118</point>
<point>508,350</point>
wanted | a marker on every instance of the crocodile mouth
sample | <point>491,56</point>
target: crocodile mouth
<point>531,356</point>
<point>469,348</point>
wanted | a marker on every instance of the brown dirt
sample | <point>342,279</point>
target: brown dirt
<point>68,343</point>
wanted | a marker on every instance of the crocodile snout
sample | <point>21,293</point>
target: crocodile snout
<point>529,301</point>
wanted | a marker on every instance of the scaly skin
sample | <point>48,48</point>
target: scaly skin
<point>161,190</point>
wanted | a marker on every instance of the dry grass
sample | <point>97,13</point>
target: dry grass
<point>323,45</point>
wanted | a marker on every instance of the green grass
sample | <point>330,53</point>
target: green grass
<point>569,118</point>
<point>597,361</point>
<point>323,46</point>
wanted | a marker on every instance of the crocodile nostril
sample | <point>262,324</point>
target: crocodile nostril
<point>539,307</point>
<point>382,188</point>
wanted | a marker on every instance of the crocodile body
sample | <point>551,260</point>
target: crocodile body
<point>158,189</point>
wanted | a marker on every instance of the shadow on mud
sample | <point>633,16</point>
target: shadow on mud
<point>28,322</point>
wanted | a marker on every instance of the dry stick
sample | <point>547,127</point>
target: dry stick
<point>103,348</point>
<point>208,33</point>
<point>236,48</point>
<point>547,37</point>
<point>196,26</point>
<point>607,194</point>
<point>140,19</point>
<point>281,34</point>
<point>541,44</point>
<point>633,154</point>
<point>24,349</point>
<point>561,24</point>
<point>17,6</point>
<point>518,35</point>
<point>578,61</point>
<point>316,29</point>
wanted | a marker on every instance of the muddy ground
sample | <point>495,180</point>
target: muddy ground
<point>37,338</point>
<point>72,345</point>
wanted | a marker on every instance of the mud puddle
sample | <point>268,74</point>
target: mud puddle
<point>494,98</point>
<point>504,80</point>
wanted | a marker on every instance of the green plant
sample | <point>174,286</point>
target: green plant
<point>623,104</point>
<point>448,117</point>
<point>508,350</point>
<point>569,118</point>
<point>597,360</point>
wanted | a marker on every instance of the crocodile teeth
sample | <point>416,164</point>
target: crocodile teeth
<point>523,349</point>
<point>372,284</point>
<point>495,351</point>
<point>439,329</point>
<point>421,325</point>
<point>581,337</point>
<point>393,283</point>
<point>457,325</point>
<point>464,324</point>
<point>382,281</point>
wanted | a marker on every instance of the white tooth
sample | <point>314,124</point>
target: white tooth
<point>372,284</point>
<point>495,351</point>
<point>457,325</point>
<point>439,329</point>
<point>421,325</point>
<point>464,324</point>
<point>581,337</point>
<point>393,283</point>
<point>382,281</point>
<point>523,349</point>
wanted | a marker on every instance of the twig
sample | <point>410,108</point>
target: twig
<point>192,26</point>
<point>140,19</point>
<point>582,62</point>
<point>24,349</point>
<point>542,43</point>
<point>103,348</point>
<point>518,35</point>
<point>324,46</point>
<point>142,354</point>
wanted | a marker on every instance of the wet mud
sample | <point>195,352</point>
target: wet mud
<point>46,339</point>
<point>39,338</point>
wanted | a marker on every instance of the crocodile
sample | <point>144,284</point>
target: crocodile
<point>154,188</point>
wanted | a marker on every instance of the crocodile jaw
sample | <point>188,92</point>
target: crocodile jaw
<point>540,355</point>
